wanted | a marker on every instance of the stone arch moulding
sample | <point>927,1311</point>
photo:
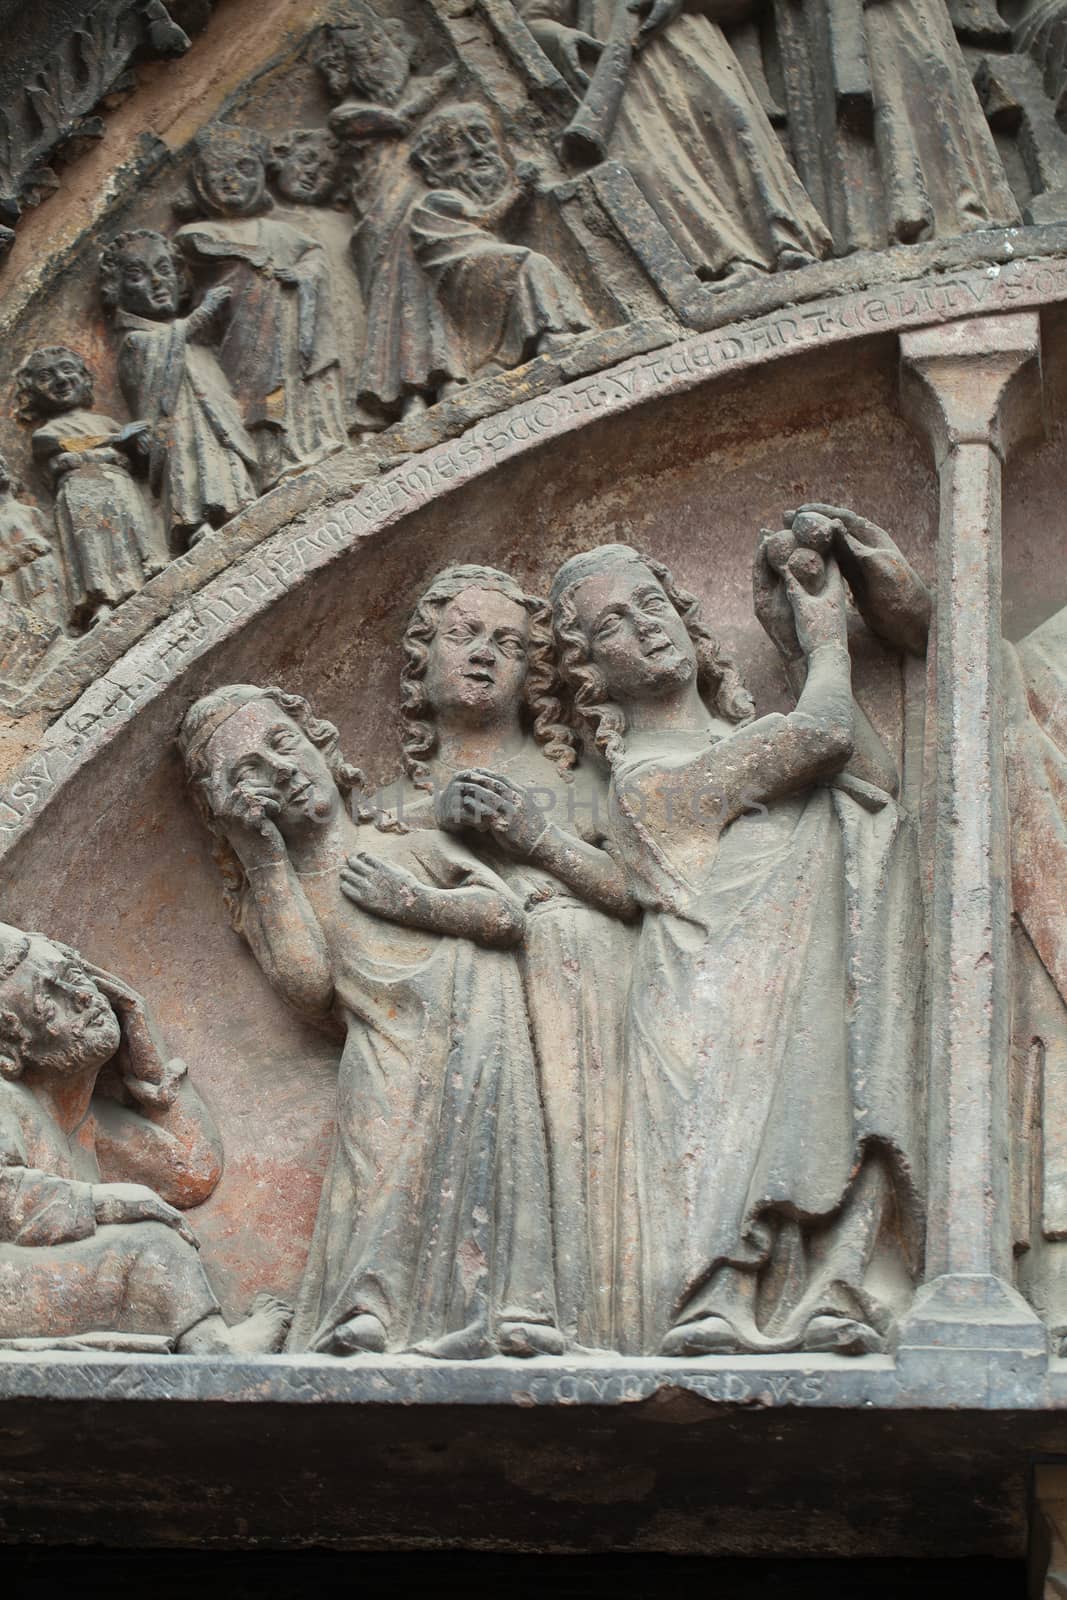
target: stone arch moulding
<point>331,522</point>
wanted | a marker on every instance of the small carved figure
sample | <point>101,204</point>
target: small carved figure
<point>506,302</point>
<point>410,352</point>
<point>202,461</point>
<point>29,573</point>
<point>278,350</point>
<point>486,749</point>
<point>104,1143</point>
<point>434,1230</point>
<point>107,539</point>
<point>693,133</point>
<point>304,166</point>
<point>762,1195</point>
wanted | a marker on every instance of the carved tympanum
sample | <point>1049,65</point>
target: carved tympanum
<point>104,1143</point>
<point>697,1134</point>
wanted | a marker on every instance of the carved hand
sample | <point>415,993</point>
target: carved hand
<point>817,599</point>
<point>565,48</point>
<point>494,805</point>
<point>215,299</point>
<point>250,828</point>
<point>152,1080</point>
<point>134,1202</point>
<point>381,888</point>
<point>771,602</point>
<point>893,598</point>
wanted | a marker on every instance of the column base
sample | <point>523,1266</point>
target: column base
<point>972,1311</point>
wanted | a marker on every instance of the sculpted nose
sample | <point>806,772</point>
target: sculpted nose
<point>483,651</point>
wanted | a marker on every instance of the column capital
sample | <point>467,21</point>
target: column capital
<point>975,381</point>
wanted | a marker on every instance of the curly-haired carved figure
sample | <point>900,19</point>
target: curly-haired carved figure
<point>108,542</point>
<point>433,1229</point>
<point>278,349</point>
<point>202,461</point>
<point>487,753</point>
<point>104,1143</point>
<point>767,1160</point>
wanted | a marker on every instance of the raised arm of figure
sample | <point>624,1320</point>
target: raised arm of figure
<point>779,755</point>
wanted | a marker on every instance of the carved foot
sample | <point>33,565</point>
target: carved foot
<point>842,1336</point>
<point>265,1327</point>
<point>792,260</point>
<point>525,1339</point>
<point>362,1335</point>
<point>466,1344</point>
<point>708,1336</point>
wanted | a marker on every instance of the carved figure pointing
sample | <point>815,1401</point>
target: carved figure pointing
<point>203,461</point>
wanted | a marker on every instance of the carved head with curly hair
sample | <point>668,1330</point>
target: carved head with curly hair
<point>627,634</point>
<point>478,654</point>
<point>141,272</point>
<point>51,381</point>
<point>258,755</point>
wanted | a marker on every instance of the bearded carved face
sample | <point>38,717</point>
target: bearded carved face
<point>68,1026</point>
<point>57,380</point>
<point>464,153</point>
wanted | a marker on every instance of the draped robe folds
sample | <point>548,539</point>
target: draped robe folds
<point>106,537</point>
<point>435,1214</point>
<point>61,1274</point>
<point>772,1043</point>
<point>205,464</point>
<point>279,350</point>
<point>697,141</point>
<point>38,582</point>
<point>575,963</point>
<point>1036,752</point>
<point>500,297</point>
<point>411,348</point>
<point>940,166</point>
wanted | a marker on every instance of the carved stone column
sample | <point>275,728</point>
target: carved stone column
<point>974,389</point>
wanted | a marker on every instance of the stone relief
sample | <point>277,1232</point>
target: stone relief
<point>106,538</point>
<point>1036,748</point>
<point>104,1145</point>
<point>51,117</point>
<point>663,955</point>
<point>586,175</point>
<point>202,461</point>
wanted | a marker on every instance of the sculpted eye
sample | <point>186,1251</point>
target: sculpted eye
<point>657,603</point>
<point>513,647</point>
<point>607,627</point>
